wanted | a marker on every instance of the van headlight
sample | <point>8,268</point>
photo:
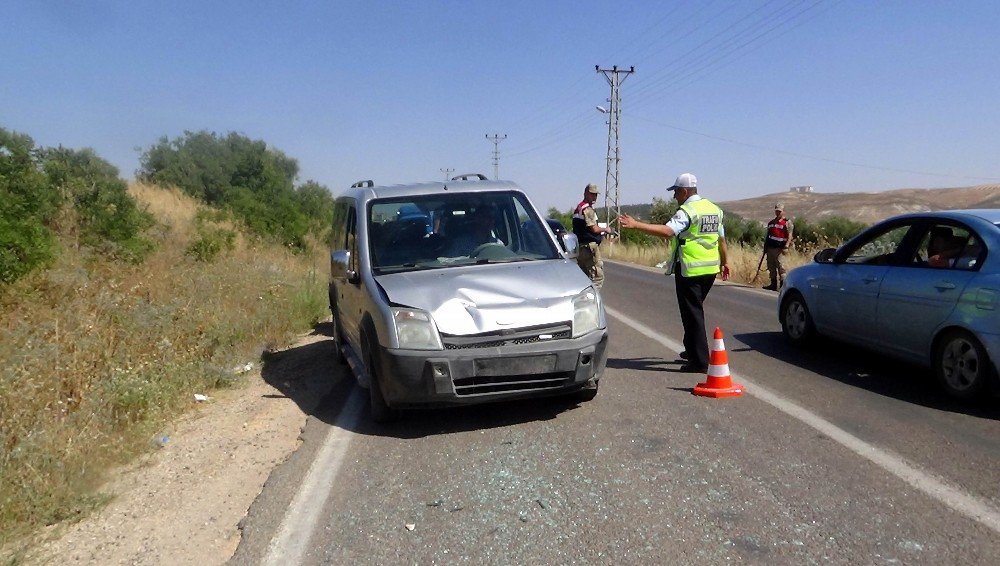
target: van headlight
<point>587,312</point>
<point>415,330</point>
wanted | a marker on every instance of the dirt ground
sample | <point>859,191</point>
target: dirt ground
<point>182,504</point>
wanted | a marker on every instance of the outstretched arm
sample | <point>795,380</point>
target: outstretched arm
<point>661,230</point>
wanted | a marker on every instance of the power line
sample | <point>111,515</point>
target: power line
<point>556,134</point>
<point>447,173</point>
<point>766,26</point>
<point>816,157</point>
<point>682,67</point>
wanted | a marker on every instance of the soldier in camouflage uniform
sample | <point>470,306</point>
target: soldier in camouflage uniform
<point>590,235</point>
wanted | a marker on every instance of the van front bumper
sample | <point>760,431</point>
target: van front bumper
<point>412,378</point>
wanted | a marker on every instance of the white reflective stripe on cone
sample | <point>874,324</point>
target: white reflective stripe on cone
<point>719,371</point>
<point>717,345</point>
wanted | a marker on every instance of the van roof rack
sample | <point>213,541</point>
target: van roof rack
<point>360,184</point>
<point>466,176</point>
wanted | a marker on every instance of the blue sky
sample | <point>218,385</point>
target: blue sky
<point>752,96</point>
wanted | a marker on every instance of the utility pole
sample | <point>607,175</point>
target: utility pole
<point>447,172</point>
<point>615,77</point>
<point>496,153</point>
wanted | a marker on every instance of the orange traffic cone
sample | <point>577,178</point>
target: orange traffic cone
<point>718,383</point>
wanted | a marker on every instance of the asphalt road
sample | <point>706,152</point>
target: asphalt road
<point>833,455</point>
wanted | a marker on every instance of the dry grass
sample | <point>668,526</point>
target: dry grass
<point>743,261</point>
<point>95,356</point>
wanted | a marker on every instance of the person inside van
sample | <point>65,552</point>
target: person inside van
<point>469,235</point>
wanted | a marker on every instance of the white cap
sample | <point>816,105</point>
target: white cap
<point>685,181</point>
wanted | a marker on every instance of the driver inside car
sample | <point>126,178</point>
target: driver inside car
<point>477,232</point>
<point>943,247</point>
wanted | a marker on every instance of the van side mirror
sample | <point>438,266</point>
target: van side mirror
<point>570,245</point>
<point>340,261</point>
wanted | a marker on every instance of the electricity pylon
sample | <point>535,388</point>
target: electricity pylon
<point>614,76</point>
<point>496,153</point>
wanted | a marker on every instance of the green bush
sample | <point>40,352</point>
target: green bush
<point>24,190</point>
<point>110,220</point>
<point>245,176</point>
<point>210,243</point>
<point>212,239</point>
<point>24,246</point>
<point>829,232</point>
<point>29,203</point>
<point>739,230</point>
<point>316,202</point>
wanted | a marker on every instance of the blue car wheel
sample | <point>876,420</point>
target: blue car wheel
<point>961,364</point>
<point>796,322</point>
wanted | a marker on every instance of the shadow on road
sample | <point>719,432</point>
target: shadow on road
<point>867,370</point>
<point>310,376</point>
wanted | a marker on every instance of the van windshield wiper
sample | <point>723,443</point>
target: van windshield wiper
<point>384,269</point>
<point>504,260</point>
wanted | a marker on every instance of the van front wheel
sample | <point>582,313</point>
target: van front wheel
<point>381,411</point>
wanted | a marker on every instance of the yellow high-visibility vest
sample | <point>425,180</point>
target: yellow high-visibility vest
<point>699,249</point>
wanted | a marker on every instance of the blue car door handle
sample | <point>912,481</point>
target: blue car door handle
<point>870,279</point>
<point>944,285</point>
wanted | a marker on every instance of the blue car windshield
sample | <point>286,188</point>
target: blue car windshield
<point>438,231</point>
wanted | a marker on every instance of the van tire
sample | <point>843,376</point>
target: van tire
<point>338,336</point>
<point>381,412</point>
<point>588,392</point>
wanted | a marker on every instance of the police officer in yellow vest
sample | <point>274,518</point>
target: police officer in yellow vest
<point>699,254</point>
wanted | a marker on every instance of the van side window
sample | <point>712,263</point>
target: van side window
<point>351,241</point>
<point>338,232</point>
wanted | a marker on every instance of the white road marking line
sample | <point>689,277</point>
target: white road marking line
<point>957,499</point>
<point>292,539</point>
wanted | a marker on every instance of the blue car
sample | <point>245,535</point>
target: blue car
<point>922,287</point>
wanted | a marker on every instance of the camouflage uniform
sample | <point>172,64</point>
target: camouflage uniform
<point>589,257</point>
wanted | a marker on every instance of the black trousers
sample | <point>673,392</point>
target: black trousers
<point>691,293</point>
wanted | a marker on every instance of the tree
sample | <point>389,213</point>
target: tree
<point>29,203</point>
<point>252,180</point>
<point>109,218</point>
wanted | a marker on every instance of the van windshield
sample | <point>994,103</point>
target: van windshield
<point>437,231</point>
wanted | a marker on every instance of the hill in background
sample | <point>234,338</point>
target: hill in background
<point>865,207</point>
<point>860,207</point>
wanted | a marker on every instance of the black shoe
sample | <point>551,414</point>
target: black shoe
<point>683,355</point>
<point>771,287</point>
<point>693,368</point>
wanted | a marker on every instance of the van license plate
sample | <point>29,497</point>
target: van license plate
<point>516,366</point>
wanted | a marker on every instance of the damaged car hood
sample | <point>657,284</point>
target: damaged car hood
<point>485,298</point>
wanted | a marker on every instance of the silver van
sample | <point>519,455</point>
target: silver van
<point>457,292</point>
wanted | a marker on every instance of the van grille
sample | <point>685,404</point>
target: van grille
<point>508,336</point>
<point>480,385</point>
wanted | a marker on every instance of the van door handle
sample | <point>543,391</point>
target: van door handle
<point>870,279</point>
<point>944,286</point>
